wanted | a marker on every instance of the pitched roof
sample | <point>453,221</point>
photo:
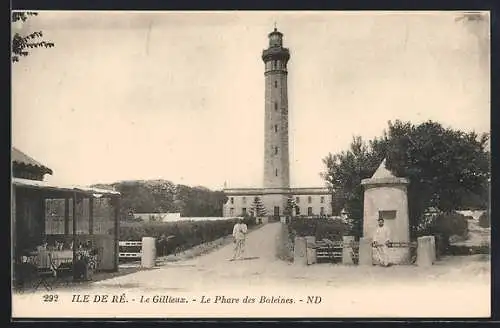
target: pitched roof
<point>18,157</point>
<point>51,186</point>
<point>383,176</point>
<point>382,172</point>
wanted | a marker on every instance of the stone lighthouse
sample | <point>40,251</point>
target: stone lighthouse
<point>276,156</point>
<point>276,191</point>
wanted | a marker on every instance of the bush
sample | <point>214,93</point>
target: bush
<point>184,234</point>
<point>445,225</point>
<point>484,220</point>
<point>451,224</point>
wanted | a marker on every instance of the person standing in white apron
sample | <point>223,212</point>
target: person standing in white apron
<point>381,241</point>
<point>239,236</point>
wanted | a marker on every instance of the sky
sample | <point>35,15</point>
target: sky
<point>180,96</point>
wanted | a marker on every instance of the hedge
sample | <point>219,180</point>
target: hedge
<point>321,228</point>
<point>181,235</point>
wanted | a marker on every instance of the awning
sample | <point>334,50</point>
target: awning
<point>20,158</point>
<point>95,192</point>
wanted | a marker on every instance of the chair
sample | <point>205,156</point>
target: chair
<point>44,269</point>
<point>63,266</point>
<point>86,264</point>
<point>25,271</point>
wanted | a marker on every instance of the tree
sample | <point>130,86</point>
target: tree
<point>161,196</point>
<point>446,168</point>
<point>343,176</point>
<point>21,43</point>
<point>291,205</point>
<point>257,208</point>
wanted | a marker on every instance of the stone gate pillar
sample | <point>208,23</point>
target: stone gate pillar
<point>425,251</point>
<point>365,251</point>
<point>300,251</point>
<point>347,249</point>
<point>148,258</point>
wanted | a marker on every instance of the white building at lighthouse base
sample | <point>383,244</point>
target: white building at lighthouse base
<point>310,202</point>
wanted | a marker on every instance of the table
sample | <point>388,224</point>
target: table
<point>61,257</point>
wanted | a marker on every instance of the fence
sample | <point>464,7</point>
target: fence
<point>333,251</point>
<point>130,250</point>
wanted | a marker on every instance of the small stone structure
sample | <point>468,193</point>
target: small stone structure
<point>304,251</point>
<point>426,251</point>
<point>386,197</point>
<point>311,250</point>
<point>365,251</point>
<point>347,250</point>
<point>148,259</point>
<point>300,251</point>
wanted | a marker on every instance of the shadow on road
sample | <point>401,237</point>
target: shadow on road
<point>246,258</point>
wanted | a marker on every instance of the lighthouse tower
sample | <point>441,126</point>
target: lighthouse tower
<point>276,156</point>
<point>276,193</point>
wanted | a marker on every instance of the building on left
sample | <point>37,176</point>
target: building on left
<point>61,221</point>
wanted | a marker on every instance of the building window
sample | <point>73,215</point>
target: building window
<point>309,199</point>
<point>82,223</point>
<point>275,84</point>
<point>297,200</point>
<point>322,211</point>
<point>387,215</point>
<point>276,128</point>
<point>244,199</point>
<point>244,211</point>
<point>54,216</point>
<point>275,150</point>
<point>231,211</point>
<point>322,199</point>
<point>276,211</point>
<point>297,210</point>
<point>275,106</point>
<point>103,218</point>
<point>276,172</point>
<point>309,211</point>
<point>232,200</point>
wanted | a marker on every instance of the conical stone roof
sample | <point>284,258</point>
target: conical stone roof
<point>383,176</point>
<point>382,172</point>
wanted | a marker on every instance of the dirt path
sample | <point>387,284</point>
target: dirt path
<point>210,270</point>
<point>262,268</point>
<point>457,286</point>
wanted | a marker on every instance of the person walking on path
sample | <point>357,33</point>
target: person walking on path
<point>381,241</point>
<point>239,236</point>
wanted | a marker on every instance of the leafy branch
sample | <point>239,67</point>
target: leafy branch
<point>20,43</point>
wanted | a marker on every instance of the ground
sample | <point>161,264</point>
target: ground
<point>455,286</point>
